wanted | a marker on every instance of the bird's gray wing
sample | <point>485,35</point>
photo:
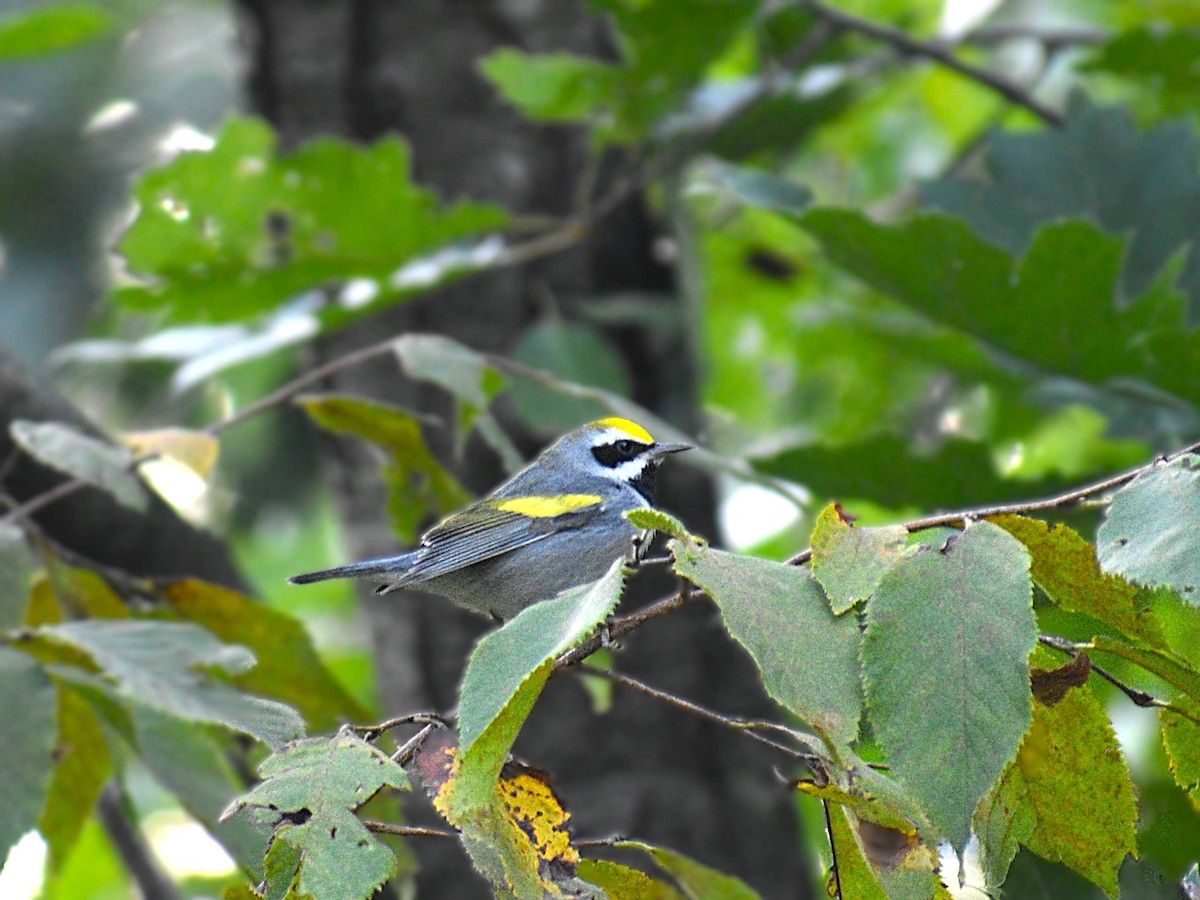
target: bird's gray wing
<point>492,528</point>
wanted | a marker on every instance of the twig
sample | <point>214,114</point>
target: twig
<point>1140,698</point>
<point>132,847</point>
<point>374,732</point>
<point>1060,501</point>
<point>937,52</point>
<point>837,875</point>
<point>1053,39</point>
<point>407,830</point>
<point>622,626</point>
<point>406,750</point>
<point>740,725</point>
<point>38,502</point>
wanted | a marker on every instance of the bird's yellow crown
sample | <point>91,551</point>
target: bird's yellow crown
<point>631,428</point>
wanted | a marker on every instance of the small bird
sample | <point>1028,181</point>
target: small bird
<point>556,524</point>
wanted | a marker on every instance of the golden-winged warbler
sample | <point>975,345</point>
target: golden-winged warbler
<point>556,524</point>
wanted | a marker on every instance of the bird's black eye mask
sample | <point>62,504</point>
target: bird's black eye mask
<point>612,455</point>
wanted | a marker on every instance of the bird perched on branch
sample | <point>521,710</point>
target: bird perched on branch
<point>557,523</point>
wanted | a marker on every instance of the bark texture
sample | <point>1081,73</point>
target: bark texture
<point>367,67</point>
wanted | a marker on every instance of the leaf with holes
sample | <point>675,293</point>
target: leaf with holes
<point>946,660</point>
<point>309,793</point>
<point>1151,530</point>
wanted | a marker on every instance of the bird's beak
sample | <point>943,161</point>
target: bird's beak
<point>667,449</point>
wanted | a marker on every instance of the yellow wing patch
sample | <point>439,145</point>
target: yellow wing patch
<point>546,507</point>
<point>631,428</point>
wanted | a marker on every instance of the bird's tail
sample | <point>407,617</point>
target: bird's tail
<point>389,566</point>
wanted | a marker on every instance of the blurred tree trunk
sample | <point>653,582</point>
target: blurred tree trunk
<point>363,68</point>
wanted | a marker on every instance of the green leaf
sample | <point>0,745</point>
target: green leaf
<point>162,664</point>
<point>233,233</point>
<point>552,87</point>
<point>1151,530</point>
<point>66,450</point>
<point>888,470</point>
<point>657,520</point>
<point>807,656</point>
<point>16,576</point>
<point>27,731</point>
<point>419,488</point>
<point>856,875</point>
<point>1141,185</point>
<point>53,29</point>
<point>1070,773</point>
<point>469,378</point>
<point>752,187</point>
<point>623,883</point>
<point>83,767</point>
<point>573,353</point>
<point>698,882</point>
<point>849,561</point>
<point>1181,737</point>
<point>288,668</point>
<point>506,673</point>
<point>1056,309</point>
<point>1064,565</point>
<point>1003,822</point>
<point>309,793</point>
<point>1163,663</point>
<point>946,660</point>
<point>1162,59</point>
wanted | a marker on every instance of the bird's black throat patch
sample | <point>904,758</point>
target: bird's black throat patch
<point>646,481</point>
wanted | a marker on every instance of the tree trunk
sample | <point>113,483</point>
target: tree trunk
<point>366,67</point>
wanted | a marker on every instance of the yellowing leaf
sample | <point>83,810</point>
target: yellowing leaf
<point>197,450</point>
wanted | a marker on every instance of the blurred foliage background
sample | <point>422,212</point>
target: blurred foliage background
<point>895,286</point>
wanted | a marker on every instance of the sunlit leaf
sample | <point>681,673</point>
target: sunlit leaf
<point>66,450</point>
<point>52,29</point>
<point>946,627</point>
<point>625,883</point>
<point>163,665</point>
<point>855,874</point>
<point>657,520</point>
<point>697,881</point>
<point>1151,530</point>
<point>195,449</point>
<point>27,731</point>
<point>235,232</point>
<point>1181,737</point>
<point>808,657</point>
<point>308,796</point>
<point>551,87</point>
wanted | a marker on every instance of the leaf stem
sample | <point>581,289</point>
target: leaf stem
<point>407,830</point>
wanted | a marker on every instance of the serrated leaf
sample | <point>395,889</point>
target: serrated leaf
<point>1064,565</point>
<point>419,488</point>
<point>551,87</point>
<point>1078,786</point>
<point>16,576</point>
<point>1004,820</point>
<point>849,561</point>
<point>232,233</point>
<point>1151,530</point>
<point>197,450</point>
<point>946,660</point>
<point>288,668</point>
<point>1142,185</point>
<point>808,657</point>
<point>162,664</point>
<point>309,793</point>
<point>66,450</point>
<point>1057,308</point>
<point>623,883</point>
<point>83,766</point>
<point>697,881</point>
<point>506,673</point>
<point>1181,737</point>
<point>469,378</point>
<point>53,29</point>
<point>1163,663</point>
<point>27,731</point>
<point>657,520</point>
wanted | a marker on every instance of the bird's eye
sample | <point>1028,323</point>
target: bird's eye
<point>625,448</point>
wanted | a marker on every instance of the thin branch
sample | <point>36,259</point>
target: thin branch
<point>404,754</point>
<point>837,875</point>
<point>742,726</point>
<point>37,503</point>
<point>1053,39</point>
<point>1060,501</point>
<point>407,830</point>
<point>374,732</point>
<point>623,626</point>
<point>939,53</point>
